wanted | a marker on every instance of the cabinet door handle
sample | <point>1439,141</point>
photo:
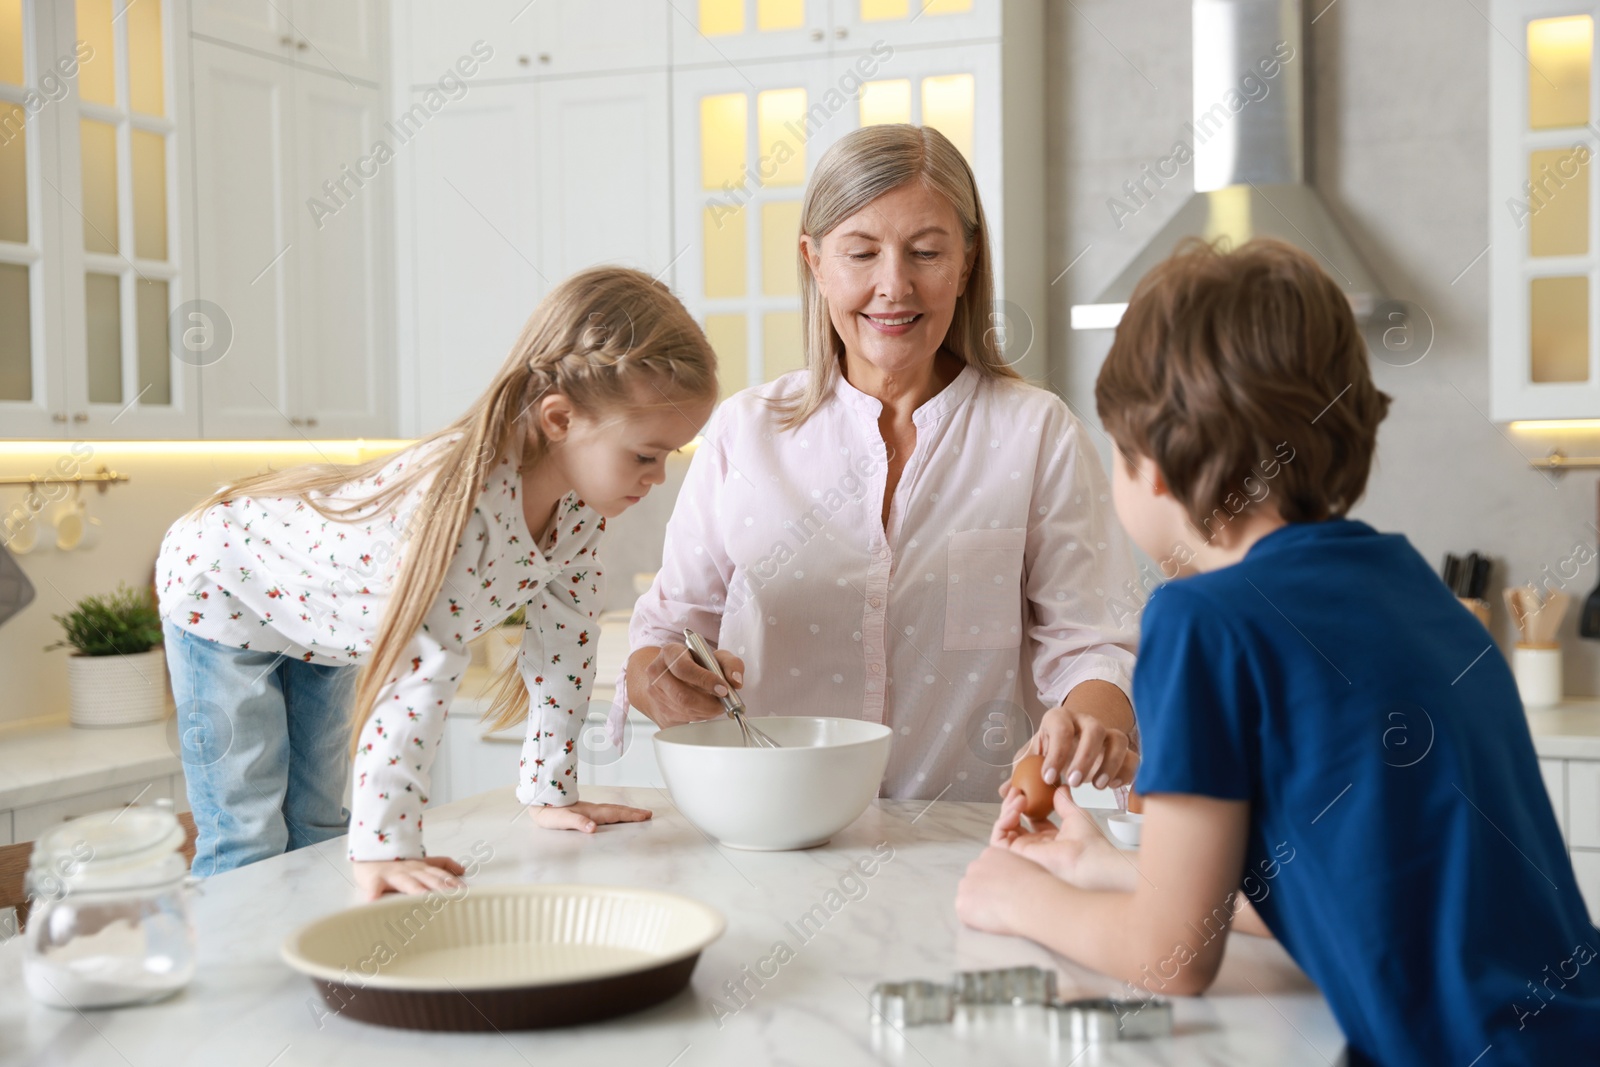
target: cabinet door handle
<point>544,57</point>
<point>311,421</point>
<point>78,416</point>
<point>841,33</point>
<point>60,416</point>
<point>816,35</point>
<point>286,40</point>
<point>302,44</point>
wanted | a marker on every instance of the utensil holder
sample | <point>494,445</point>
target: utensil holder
<point>1538,672</point>
<point>1479,608</point>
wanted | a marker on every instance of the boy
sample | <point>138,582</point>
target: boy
<point>1321,730</point>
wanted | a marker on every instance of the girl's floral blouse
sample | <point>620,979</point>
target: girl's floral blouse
<point>274,575</point>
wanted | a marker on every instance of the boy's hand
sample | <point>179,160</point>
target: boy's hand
<point>585,817</point>
<point>994,885</point>
<point>1077,852</point>
<point>1079,746</point>
<point>435,873</point>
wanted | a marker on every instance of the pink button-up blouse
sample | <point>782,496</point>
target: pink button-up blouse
<point>993,592</point>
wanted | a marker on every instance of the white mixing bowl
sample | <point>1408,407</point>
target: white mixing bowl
<point>773,799</point>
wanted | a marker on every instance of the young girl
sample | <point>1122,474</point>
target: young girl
<point>291,591</point>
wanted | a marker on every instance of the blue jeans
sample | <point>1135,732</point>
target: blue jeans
<point>264,740</point>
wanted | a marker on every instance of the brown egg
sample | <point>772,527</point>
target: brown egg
<point>1038,795</point>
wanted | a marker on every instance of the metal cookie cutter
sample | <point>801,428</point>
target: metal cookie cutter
<point>903,1004</point>
<point>1098,1020</point>
<point>1009,985</point>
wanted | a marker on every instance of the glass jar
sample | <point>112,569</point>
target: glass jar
<point>109,923</point>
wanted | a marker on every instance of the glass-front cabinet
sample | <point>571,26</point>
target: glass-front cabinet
<point>1544,245</point>
<point>770,85</point>
<point>92,261</point>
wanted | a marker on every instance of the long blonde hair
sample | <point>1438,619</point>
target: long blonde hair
<point>860,167</point>
<point>600,338</point>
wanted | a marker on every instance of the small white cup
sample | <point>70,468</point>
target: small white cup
<point>1538,672</point>
<point>74,528</point>
<point>25,527</point>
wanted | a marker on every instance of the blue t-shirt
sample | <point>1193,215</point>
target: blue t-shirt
<point>1402,846</point>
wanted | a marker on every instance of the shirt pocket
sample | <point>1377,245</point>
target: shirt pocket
<point>983,595</point>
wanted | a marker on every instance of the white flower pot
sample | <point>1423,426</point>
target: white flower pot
<point>118,690</point>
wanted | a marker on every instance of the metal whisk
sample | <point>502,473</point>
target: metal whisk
<point>731,703</point>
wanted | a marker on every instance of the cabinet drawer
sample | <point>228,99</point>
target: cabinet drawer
<point>35,819</point>
<point>1554,773</point>
<point>1583,803</point>
<point>1586,865</point>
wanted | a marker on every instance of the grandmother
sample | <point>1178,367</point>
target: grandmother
<point>904,531</point>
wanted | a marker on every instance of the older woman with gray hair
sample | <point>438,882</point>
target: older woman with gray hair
<point>904,531</point>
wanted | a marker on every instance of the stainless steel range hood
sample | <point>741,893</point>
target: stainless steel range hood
<point>1247,142</point>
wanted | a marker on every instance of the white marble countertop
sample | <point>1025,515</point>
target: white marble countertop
<point>43,759</point>
<point>1570,730</point>
<point>245,1007</point>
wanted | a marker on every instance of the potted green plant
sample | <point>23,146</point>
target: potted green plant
<point>118,669</point>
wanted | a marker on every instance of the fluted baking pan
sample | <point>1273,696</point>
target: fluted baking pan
<point>522,957</point>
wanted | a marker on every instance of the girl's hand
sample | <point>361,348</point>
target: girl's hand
<point>584,817</point>
<point>434,874</point>
<point>993,884</point>
<point>671,687</point>
<point>1077,852</point>
<point>1079,747</point>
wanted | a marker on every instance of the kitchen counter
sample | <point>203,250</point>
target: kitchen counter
<point>42,759</point>
<point>1570,730</point>
<point>246,1007</point>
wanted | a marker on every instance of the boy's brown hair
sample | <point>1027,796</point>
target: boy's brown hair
<point>1232,369</point>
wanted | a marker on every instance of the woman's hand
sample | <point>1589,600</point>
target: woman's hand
<point>585,817</point>
<point>1077,852</point>
<point>670,687</point>
<point>434,874</point>
<point>1081,740</point>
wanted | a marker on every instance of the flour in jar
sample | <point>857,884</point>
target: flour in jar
<point>113,966</point>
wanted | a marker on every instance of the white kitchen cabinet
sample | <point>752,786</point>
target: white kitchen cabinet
<point>513,187</point>
<point>343,361</point>
<point>261,25</point>
<point>292,216</point>
<point>441,32</point>
<point>855,24</point>
<point>343,38</point>
<point>1544,228</point>
<point>539,171</point>
<point>473,209</point>
<point>94,250</point>
<point>600,198</point>
<point>1554,773</point>
<point>244,127</point>
<point>585,37</point>
<point>1583,803</point>
<point>1586,865</point>
<point>725,33</point>
<point>33,820</point>
<point>8,835</point>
